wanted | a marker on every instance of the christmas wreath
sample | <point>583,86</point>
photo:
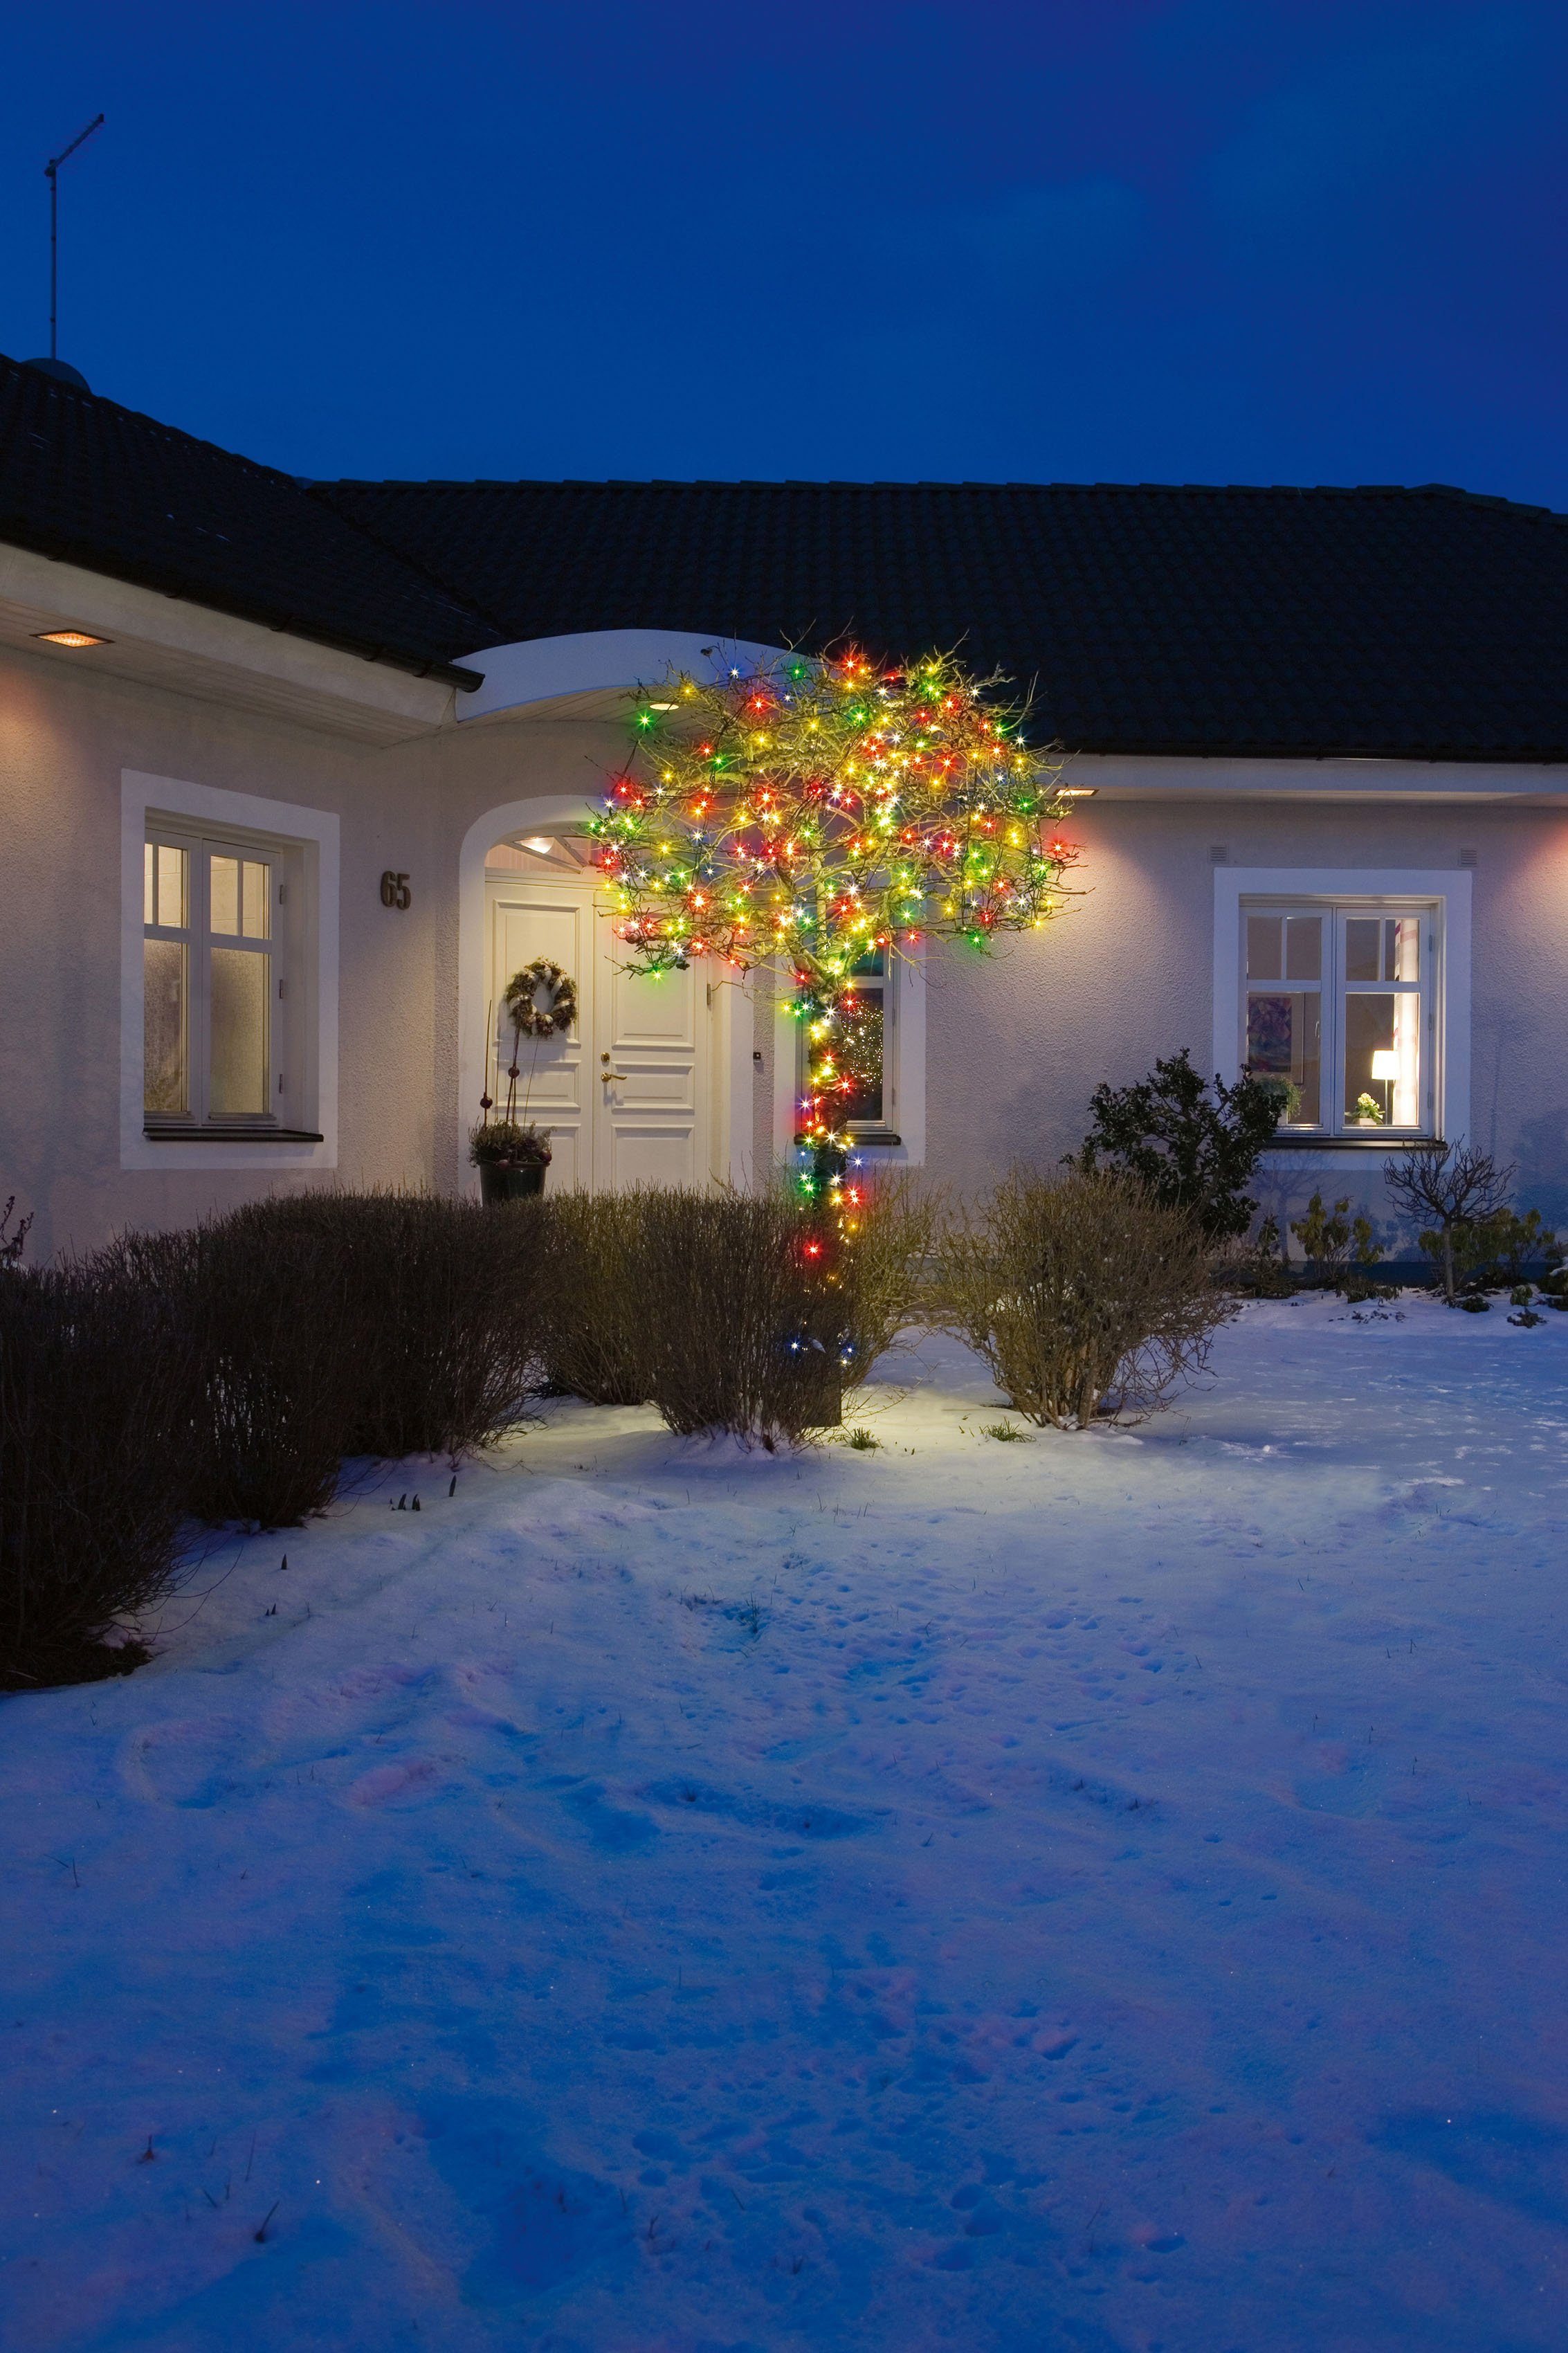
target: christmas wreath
<point>528,1016</point>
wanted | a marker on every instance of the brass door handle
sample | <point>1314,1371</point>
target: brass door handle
<point>615,1074</point>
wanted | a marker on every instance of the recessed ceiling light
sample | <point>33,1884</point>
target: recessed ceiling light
<point>539,843</point>
<point>661,706</point>
<point>1076,792</point>
<point>71,638</point>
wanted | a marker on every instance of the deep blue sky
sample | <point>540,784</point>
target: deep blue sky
<point>1190,240</point>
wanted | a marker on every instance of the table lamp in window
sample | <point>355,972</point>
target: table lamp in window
<point>1385,1073</point>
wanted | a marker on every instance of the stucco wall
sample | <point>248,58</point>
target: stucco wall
<point>1017,1040</point>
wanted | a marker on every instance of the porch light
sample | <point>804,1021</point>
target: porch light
<point>539,843</point>
<point>69,637</point>
<point>1076,792</point>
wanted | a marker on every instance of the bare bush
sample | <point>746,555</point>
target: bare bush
<point>594,1343</point>
<point>265,1307</point>
<point>95,1400</point>
<point>881,1270</point>
<point>442,1306</point>
<point>1457,1186</point>
<point>1082,1294</point>
<point>742,1332</point>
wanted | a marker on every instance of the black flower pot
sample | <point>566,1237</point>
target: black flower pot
<point>499,1182</point>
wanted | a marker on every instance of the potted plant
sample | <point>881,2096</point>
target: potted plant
<point>511,1154</point>
<point>511,1159</point>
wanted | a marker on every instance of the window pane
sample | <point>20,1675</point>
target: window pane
<point>1263,947</point>
<point>241,986</point>
<point>174,870</point>
<point>255,900</point>
<point>1303,948</point>
<point>166,1071</point>
<point>1284,1041</point>
<point>1401,947</point>
<point>1382,1060</point>
<point>224,905</point>
<point>1363,948</point>
<point>859,1058</point>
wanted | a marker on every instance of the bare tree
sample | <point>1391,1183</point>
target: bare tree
<point>1452,1185</point>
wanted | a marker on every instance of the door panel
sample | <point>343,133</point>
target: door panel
<point>653,1044</point>
<point>651,1155</point>
<point>546,919</point>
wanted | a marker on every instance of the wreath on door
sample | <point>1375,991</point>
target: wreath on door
<point>541,980</point>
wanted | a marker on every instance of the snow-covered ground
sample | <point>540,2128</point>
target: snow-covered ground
<point>1102,1891</point>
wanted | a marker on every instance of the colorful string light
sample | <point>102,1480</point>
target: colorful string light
<point>815,816</point>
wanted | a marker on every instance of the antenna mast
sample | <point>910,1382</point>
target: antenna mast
<point>52,174</point>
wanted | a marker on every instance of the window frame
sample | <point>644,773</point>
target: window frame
<point>898,1137</point>
<point>299,1127</point>
<point>1443,900</point>
<point>201,845</point>
<point>1334,989</point>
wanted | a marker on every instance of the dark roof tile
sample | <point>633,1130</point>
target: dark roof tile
<point>84,481</point>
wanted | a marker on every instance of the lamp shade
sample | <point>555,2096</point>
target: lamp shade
<point>1385,1062</point>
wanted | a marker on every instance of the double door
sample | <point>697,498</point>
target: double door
<point>626,1091</point>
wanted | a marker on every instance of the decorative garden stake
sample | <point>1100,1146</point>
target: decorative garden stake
<point>811,815</point>
<point>512,1155</point>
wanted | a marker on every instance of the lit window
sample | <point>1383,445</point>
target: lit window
<point>215,1036</point>
<point>1338,1004</point>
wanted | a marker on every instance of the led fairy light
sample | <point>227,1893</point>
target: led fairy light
<point>809,816</point>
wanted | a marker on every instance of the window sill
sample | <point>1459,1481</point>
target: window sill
<point>1387,1141</point>
<point>232,1135</point>
<point>873,1139</point>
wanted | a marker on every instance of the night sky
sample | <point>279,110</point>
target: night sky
<point>1132,240</point>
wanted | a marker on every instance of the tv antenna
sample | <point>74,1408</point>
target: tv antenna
<point>52,174</point>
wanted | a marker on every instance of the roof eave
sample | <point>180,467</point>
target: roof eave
<point>168,582</point>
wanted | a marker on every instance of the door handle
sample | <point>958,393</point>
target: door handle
<point>615,1074</point>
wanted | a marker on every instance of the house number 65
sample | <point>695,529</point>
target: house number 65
<point>394,891</point>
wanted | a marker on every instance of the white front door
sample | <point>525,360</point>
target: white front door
<point>626,1092</point>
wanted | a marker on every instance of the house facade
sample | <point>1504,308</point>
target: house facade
<point>293,777</point>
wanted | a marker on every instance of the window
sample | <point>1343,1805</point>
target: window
<point>866,1054</point>
<point>1339,1001</point>
<point>215,1035</point>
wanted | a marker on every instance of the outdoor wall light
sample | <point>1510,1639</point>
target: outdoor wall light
<point>71,638</point>
<point>1076,792</point>
<point>661,706</point>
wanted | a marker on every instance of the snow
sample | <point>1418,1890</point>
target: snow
<point>1105,1891</point>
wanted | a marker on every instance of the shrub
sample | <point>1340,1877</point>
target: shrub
<point>594,1342</point>
<point>13,1239</point>
<point>1084,1295</point>
<point>880,1271</point>
<point>95,1398</point>
<point>1189,1147</point>
<point>1494,1251</point>
<point>442,1306</point>
<point>267,1308</point>
<point>1457,1186</point>
<point>742,1332</point>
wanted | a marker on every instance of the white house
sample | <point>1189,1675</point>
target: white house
<point>290,774</point>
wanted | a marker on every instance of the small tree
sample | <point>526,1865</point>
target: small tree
<point>1190,1146</point>
<point>1456,1185</point>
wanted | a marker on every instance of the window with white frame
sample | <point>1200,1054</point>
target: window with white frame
<point>1339,1002</point>
<point>865,1043</point>
<point>218,1037</point>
